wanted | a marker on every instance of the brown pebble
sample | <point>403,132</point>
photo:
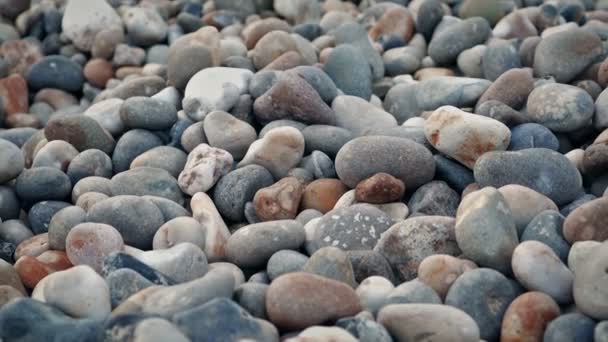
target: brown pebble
<point>33,246</point>
<point>14,94</point>
<point>299,300</point>
<point>322,194</point>
<point>98,71</point>
<point>439,271</point>
<point>32,270</point>
<point>379,188</point>
<point>396,22</point>
<point>279,201</point>
<point>21,54</point>
<point>286,61</point>
<point>588,222</point>
<point>527,317</point>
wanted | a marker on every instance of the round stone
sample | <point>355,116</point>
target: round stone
<point>89,244</point>
<point>589,289</point>
<point>147,181</point>
<point>560,107</point>
<point>56,72</point>
<point>11,161</point>
<point>178,230</point>
<point>439,271</point>
<point>570,327</point>
<point>61,224</point>
<point>147,113</point>
<point>528,316</point>
<point>447,44</point>
<point>43,183</point>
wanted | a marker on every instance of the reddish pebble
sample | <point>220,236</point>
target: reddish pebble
<point>89,244</point>
<point>323,194</point>
<point>527,317</point>
<point>33,246</point>
<point>98,71</point>
<point>21,54</point>
<point>13,94</point>
<point>31,270</point>
<point>279,201</point>
<point>396,22</point>
<point>379,188</point>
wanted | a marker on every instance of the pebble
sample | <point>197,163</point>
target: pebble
<point>407,243</point>
<point>33,246</point>
<point>132,144</point>
<point>278,151</point>
<point>78,291</point>
<point>56,153</point>
<point>239,187</point>
<point>144,26</point>
<point>511,88</point>
<point>33,269</point>
<point>525,204</point>
<point>570,327</point>
<point>587,222</point>
<point>539,169</point>
<point>435,198</point>
<point>368,263</point>
<point>408,321</point>
<point>465,137</point>
<point>359,116</point>
<point>182,262</point>
<point>12,162</point>
<point>560,55</point>
<point>413,292</point>
<point>216,88</point>
<point>484,294</point>
<point>383,152</point>
<point>205,322</point>
<point>279,201</point>
<point>285,261</point>
<point>292,97</point>
<point>107,114</point>
<point>121,260</point>
<point>167,158</point>
<point>89,244</point>
<point>379,188</point>
<point>14,94</point>
<point>299,300</point>
<point>228,133</point>
<point>146,181</point>
<point>135,218</point>
<point>147,113</point>
<point>179,230</point>
<point>365,226</point>
<point>42,183</point>
<point>80,131</point>
<point>364,327</point>
<point>546,227</point>
<point>601,332</point>
<point>56,72</point>
<point>589,284</point>
<point>81,23</point>
<point>40,215</point>
<point>532,135</point>
<point>349,69</point>
<point>10,277</point>
<point>447,44</point>
<point>322,194</point>
<point>250,247</point>
<point>528,316</point>
<point>555,278</point>
<point>560,107</point>
<point>204,167</point>
<point>490,244</point>
<point>439,271</point>
<point>331,263</point>
<point>14,231</point>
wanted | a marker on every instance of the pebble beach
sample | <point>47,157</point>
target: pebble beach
<point>303,170</point>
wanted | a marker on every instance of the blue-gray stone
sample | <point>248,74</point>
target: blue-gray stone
<point>570,327</point>
<point>7,251</point>
<point>252,297</point>
<point>61,224</point>
<point>176,132</point>
<point>17,136</point>
<point>238,187</point>
<point>435,198</point>
<point>56,72</point>
<point>456,175</point>
<point>123,283</point>
<point>324,138</point>
<point>356,35</point>
<point>446,45</point>
<point>484,294</point>
<point>285,261</point>
<point>25,319</point>
<point>350,71</point>
<point>43,183</point>
<point>41,213</point>
<point>222,319</point>
<point>364,329</point>
<point>367,263</point>
<point>319,80</point>
<point>92,162</point>
<point>120,260</point>
<point>319,164</point>
<point>147,113</point>
<point>540,169</point>
<point>546,227</point>
<point>135,218</point>
<point>239,62</point>
<point>429,16</point>
<point>9,203</point>
<point>532,135</point>
<point>281,123</point>
<point>262,81</point>
<point>132,144</point>
<point>309,31</point>
<point>147,181</point>
<point>170,209</point>
<point>498,58</point>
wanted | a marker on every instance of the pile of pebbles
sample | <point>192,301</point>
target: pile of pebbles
<point>304,170</point>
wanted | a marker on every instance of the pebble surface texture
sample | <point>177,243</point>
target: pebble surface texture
<point>304,170</point>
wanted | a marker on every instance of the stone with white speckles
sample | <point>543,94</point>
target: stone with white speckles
<point>357,227</point>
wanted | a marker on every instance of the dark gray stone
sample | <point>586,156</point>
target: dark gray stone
<point>56,72</point>
<point>350,71</point>
<point>147,113</point>
<point>370,263</point>
<point>132,144</point>
<point>434,198</point>
<point>546,227</point>
<point>123,283</point>
<point>532,135</point>
<point>446,45</point>
<point>319,80</point>
<point>9,203</point>
<point>252,297</point>
<point>88,163</point>
<point>456,175</point>
<point>540,169</point>
<point>327,139</point>
<point>43,183</point>
<point>365,329</point>
<point>41,213</point>
<point>484,294</point>
<point>570,327</point>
